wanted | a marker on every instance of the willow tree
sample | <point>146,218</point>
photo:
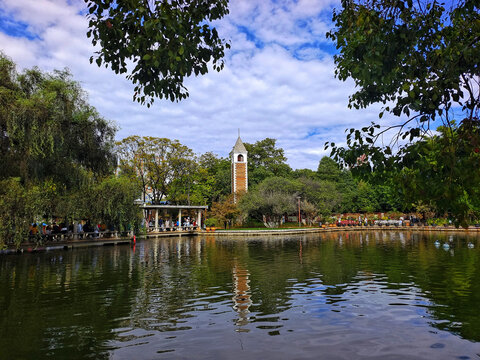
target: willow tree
<point>53,146</point>
<point>112,201</point>
<point>48,128</point>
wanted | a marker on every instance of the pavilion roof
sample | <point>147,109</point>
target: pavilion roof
<point>175,207</point>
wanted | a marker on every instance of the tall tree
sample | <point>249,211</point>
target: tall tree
<point>48,128</point>
<point>329,170</point>
<point>158,163</point>
<point>55,148</point>
<point>419,59</point>
<point>169,160</point>
<point>111,201</point>
<point>443,171</point>
<point>183,188</point>
<point>323,194</point>
<point>271,200</point>
<point>217,175</point>
<point>132,156</point>
<point>265,159</point>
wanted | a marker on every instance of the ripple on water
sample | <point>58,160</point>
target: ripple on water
<point>390,297</point>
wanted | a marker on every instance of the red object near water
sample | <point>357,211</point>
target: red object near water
<point>134,239</point>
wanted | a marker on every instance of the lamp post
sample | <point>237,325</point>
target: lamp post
<point>298,198</point>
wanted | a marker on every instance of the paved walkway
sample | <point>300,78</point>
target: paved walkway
<point>473,230</point>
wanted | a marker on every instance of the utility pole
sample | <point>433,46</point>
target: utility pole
<point>298,198</point>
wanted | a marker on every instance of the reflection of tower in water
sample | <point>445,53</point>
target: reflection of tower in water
<point>242,295</point>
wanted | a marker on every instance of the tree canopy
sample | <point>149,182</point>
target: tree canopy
<point>57,155</point>
<point>270,200</point>
<point>166,41</point>
<point>48,128</point>
<point>420,60</point>
<point>265,159</point>
<point>158,163</point>
<point>442,172</point>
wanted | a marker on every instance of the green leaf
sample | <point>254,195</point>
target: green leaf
<point>171,27</point>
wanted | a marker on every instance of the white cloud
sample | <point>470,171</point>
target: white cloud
<point>266,91</point>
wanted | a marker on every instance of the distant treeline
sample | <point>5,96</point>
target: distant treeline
<point>60,162</point>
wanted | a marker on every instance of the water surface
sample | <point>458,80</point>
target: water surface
<point>377,295</point>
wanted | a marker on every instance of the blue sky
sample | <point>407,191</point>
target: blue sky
<point>278,80</point>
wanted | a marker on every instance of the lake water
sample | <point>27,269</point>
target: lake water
<point>369,295</point>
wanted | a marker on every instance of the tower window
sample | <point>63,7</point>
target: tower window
<point>240,158</point>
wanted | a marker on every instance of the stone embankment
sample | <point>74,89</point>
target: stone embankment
<point>72,244</point>
<point>471,229</point>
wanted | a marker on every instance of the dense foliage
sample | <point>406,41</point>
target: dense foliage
<point>60,162</point>
<point>265,159</point>
<point>165,40</point>
<point>56,154</point>
<point>168,171</point>
<point>158,162</point>
<point>224,212</point>
<point>322,193</point>
<point>419,59</point>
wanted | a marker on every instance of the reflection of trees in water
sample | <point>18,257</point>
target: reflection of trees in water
<point>52,303</point>
<point>165,281</point>
<point>448,279</point>
<point>176,272</point>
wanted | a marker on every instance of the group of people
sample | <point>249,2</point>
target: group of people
<point>361,221</point>
<point>49,229</point>
<point>165,224</point>
<point>54,229</point>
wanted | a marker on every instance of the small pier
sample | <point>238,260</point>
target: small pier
<point>72,240</point>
